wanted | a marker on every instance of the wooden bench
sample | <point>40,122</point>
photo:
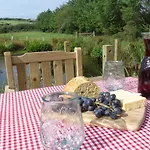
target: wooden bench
<point>42,61</point>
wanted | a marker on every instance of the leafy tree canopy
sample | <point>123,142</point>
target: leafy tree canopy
<point>101,16</point>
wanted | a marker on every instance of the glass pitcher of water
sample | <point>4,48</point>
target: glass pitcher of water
<point>61,124</point>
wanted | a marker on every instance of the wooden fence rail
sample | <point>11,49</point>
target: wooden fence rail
<point>85,34</point>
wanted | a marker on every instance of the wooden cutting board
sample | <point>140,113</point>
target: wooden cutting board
<point>130,120</point>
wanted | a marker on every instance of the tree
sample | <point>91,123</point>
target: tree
<point>65,18</point>
<point>134,14</point>
<point>111,16</point>
<point>45,21</point>
<point>103,17</point>
<point>145,11</point>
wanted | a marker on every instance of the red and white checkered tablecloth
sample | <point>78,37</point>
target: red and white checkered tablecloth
<point>19,124</point>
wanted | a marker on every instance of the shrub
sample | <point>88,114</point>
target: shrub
<point>18,27</point>
<point>54,43</point>
<point>3,29</point>
<point>96,52</point>
<point>10,47</point>
<point>2,49</point>
<point>37,46</point>
<point>60,46</point>
<point>132,54</point>
<point>92,66</point>
<point>18,45</point>
<point>87,46</point>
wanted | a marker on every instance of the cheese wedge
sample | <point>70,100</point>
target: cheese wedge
<point>130,101</point>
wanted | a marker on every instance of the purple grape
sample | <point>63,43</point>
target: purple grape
<point>102,111</point>
<point>107,105</point>
<point>106,102</point>
<point>102,94</point>
<point>117,102</point>
<point>93,99</point>
<point>89,102</point>
<point>107,94</point>
<point>113,115</point>
<point>95,110</point>
<point>85,106</point>
<point>113,96</point>
<point>117,110</point>
<point>81,102</point>
<point>91,108</point>
<point>107,112</point>
<point>84,98</point>
<point>98,113</point>
<point>108,99</point>
<point>101,99</point>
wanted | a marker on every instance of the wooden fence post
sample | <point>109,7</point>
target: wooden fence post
<point>108,54</point>
<point>9,70</point>
<point>67,47</point>
<point>93,33</point>
<point>79,71</point>
<point>12,38</point>
<point>43,39</point>
<point>27,38</point>
<point>69,70</point>
<point>76,35</point>
<point>117,49</point>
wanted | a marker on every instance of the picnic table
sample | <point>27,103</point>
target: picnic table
<point>20,124</point>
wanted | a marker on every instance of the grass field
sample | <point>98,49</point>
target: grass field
<point>35,35</point>
<point>13,22</point>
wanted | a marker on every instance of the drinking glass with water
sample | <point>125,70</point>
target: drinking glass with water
<point>114,75</point>
<point>61,125</point>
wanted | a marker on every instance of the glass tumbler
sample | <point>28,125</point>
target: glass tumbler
<point>61,124</point>
<point>114,75</point>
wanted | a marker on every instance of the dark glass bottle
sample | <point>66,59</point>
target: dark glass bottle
<point>144,73</point>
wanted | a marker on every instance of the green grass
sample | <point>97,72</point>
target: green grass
<point>13,22</point>
<point>33,36</point>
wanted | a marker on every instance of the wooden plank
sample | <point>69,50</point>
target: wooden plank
<point>69,70</point>
<point>130,120</point>
<point>79,69</point>
<point>9,70</point>
<point>34,75</point>
<point>117,49</point>
<point>69,66</point>
<point>58,72</point>
<point>43,56</point>
<point>46,74</point>
<point>67,47</point>
<point>8,90</point>
<point>22,79</point>
<point>108,54</point>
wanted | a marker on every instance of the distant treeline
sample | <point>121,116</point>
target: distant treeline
<point>17,19</point>
<point>20,24</point>
<point>130,17</point>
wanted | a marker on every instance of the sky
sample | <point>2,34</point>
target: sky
<point>28,9</point>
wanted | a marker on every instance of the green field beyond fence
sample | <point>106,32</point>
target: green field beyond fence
<point>14,22</point>
<point>35,35</point>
